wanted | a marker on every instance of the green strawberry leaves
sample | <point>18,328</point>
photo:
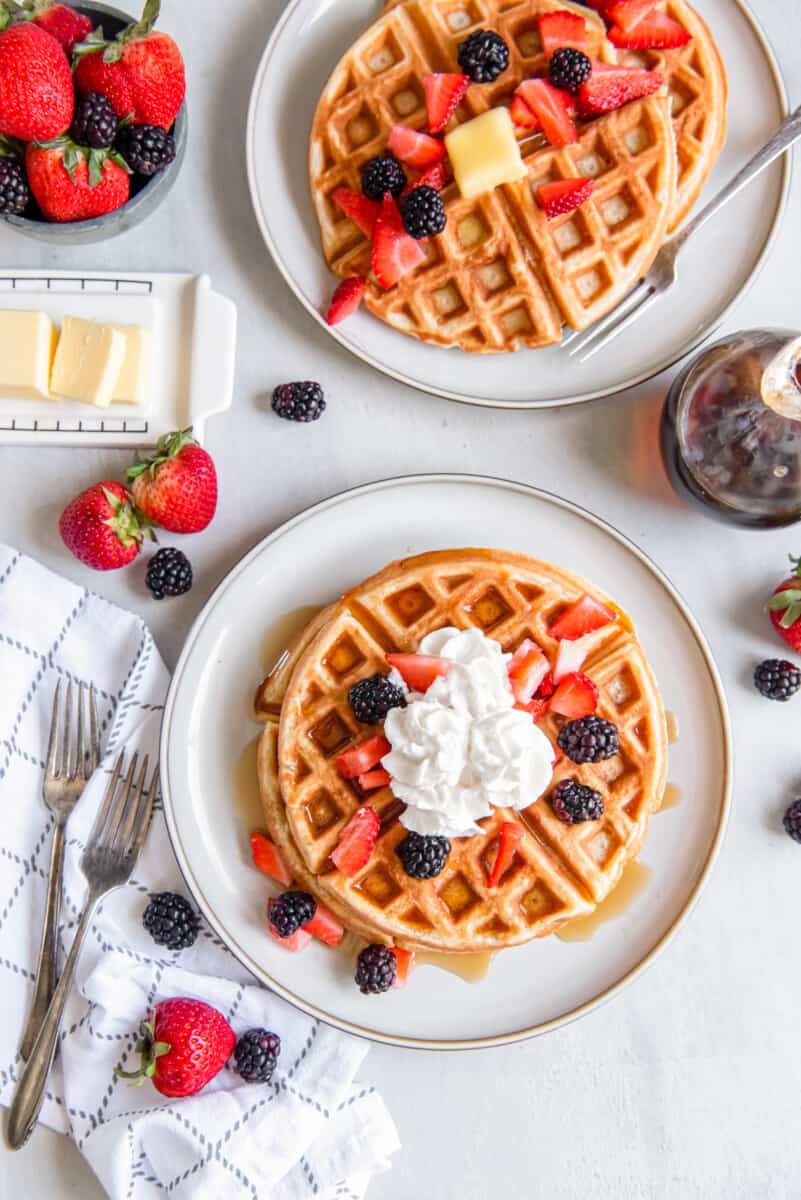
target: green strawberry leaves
<point>150,1050</point>
<point>96,160</point>
<point>11,147</point>
<point>169,446</point>
<point>112,51</point>
<point>790,601</point>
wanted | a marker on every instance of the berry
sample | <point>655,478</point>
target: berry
<point>376,968</point>
<point>423,857</point>
<point>36,96</point>
<point>363,212</point>
<point>302,401</point>
<point>417,149</point>
<point>176,487</point>
<point>423,213</point>
<point>560,29</point>
<point>792,820</point>
<point>552,108</point>
<point>147,149</point>
<point>581,618</point>
<point>102,528</point>
<point>613,87</point>
<point>267,858</point>
<point>356,841</point>
<point>395,254</point>
<point>325,927</point>
<point>510,835</point>
<point>657,31</point>
<point>521,114</point>
<point>590,739</point>
<point>573,802</point>
<point>627,14</point>
<point>171,921</point>
<point>73,183</point>
<point>64,24</point>
<point>527,668</point>
<point>358,759</point>
<point>256,1055</point>
<point>404,961</point>
<point>169,573</point>
<point>569,68</point>
<point>435,176</point>
<point>382,174</point>
<point>370,781</point>
<point>371,699</point>
<point>576,696</point>
<point>141,72</point>
<point>14,191</point>
<point>346,299</point>
<point>184,1044</point>
<point>483,56</point>
<point>563,195</point>
<point>290,912</point>
<point>95,122</point>
<point>785,608</point>
<point>443,93</point>
<point>296,942</point>
<point>777,679</point>
<point>419,671</point>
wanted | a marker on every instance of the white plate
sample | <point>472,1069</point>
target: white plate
<point>304,48</point>
<point>208,773</point>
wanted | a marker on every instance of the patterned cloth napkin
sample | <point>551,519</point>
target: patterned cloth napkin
<point>313,1131</point>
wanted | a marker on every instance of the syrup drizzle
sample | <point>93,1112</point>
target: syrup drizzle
<point>472,968</point>
<point>672,722</point>
<point>634,880</point>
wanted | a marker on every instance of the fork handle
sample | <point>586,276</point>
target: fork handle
<point>30,1091</point>
<point>46,968</point>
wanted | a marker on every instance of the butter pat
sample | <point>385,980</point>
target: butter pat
<point>131,386</point>
<point>27,345</point>
<point>88,362</point>
<point>484,153</point>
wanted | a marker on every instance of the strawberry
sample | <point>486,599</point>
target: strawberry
<point>346,299</point>
<point>184,1044</point>
<point>434,177</point>
<point>419,670</point>
<point>521,114</point>
<point>358,760</point>
<point>102,528</point>
<point>73,183</point>
<point>443,93</point>
<point>563,195</point>
<point>547,687</point>
<point>570,656</point>
<point>585,616</point>
<point>415,148</point>
<point>395,253</point>
<point>370,781</point>
<point>63,23</point>
<point>298,941</point>
<point>657,31</point>
<point>536,708</point>
<point>575,697</point>
<point>141,72</point>
<point>362,211</point>
<point>601,6</point>
<point>627,14</point>
<point>527,668</point>
<point>325,927</point>
<point>562,28</point>
<point>356,841</point>
<point>785,608</point>
<point>267,857</point>
<point>551,107</point>
<point>404,961</point>
<point>612,88</point>
<point>510,835</point>
<point>36,96</point>
<point>176,487</point>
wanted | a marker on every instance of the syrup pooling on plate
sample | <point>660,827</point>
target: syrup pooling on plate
<point>634,881</point>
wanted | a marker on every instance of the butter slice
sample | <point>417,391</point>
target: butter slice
<point>484,153</point>
<point>131,386</point>
<point>88,362</point>
<point>27,346</point>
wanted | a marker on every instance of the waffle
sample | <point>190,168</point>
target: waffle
<point>560,871</point>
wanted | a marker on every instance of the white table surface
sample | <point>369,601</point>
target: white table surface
<point>687,1085</point>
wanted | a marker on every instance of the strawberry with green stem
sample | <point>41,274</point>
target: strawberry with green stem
<point>184,1044</point>
<point>72,183</point>
<point>785,608</point>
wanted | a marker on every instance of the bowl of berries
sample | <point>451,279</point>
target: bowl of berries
<point>93,122</point>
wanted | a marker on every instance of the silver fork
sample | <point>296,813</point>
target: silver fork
<point>107,863</point>
<point>66,775</point>
<point>663,273</point>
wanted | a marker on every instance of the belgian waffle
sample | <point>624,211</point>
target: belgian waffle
<point>561,871</point>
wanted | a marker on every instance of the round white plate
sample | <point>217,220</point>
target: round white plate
<point>307,43</point>
<point>208,740</point>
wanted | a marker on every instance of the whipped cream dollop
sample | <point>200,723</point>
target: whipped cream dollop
<point>462,748</point>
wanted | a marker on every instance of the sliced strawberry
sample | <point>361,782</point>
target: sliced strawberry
<point>576,696</point>
<point>657,31</point>
<point>267,857</point>
<point>521,114</point>
<point>415,148</point>
<point>363,212</point>
<point>612,88</point>
<point>356,841</point>
<point>419,670</point>
<point>600,6</point>
<point>510,835</point>
<point>551,107</point>
<point>346,299</point>
<point>395,254</point>
<point>434,177</point>
<point>325,926</point>
<point>562,28</point>
<point>627,14</point>
<point>585,616</point>
<point>527,668</point>
<point>299,940</point>
<point>536,709</point>
<point>376,778</point>
<point>563,195</point>
<point>357,760</point>
<point>547,687</point>
<point>443,93</point>
<point>571,655</point>
<point>404,961</point>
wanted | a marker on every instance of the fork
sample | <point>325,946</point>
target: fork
<point>107,863</point>
<point>66,775</point>
<point>663,273</point>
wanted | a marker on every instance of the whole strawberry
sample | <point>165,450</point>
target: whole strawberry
<point>184,1044</point>
<point>102,528</point>
<point>177,487</point>
<point>785,608</point>
<point>73,183</point>
<point>141,72</point>
<point>36,94</point>
<point>63,23</point>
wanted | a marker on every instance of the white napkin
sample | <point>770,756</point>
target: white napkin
<point>313,1131</point>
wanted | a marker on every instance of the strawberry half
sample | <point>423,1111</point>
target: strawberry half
<point>419,670</point>
<point>443,93</point>
<point>404,961</point>
<point>560,29</point>
<point>575,697</point>
<point>362,211</point>
<point>267,857</point>
<point>551,107</point>
<point>362,758</point>
<point>346,299</point>
<point>784,607</point>
<point>612,88</point>
<point>563,195</point>
<point>370,781</point>
<point>585,616</point>
<point>657,31</point>
<point>395,254</point>
<point>299,940</point>
<point>325,927</point>
<point>434,177</point>
<point>510,835</point>
<point>627,14</point>
<point>357,841</point>
<point>415,148</point>
<point>521,114</point>
<point>527,668</point>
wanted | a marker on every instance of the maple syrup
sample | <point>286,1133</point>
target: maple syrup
<point>672,722</point>
<point>634,880</point>
<point>472,968</point>
<point>672,797</point>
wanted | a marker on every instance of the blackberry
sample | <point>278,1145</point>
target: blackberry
<point>777,679</point>
<point>590,739</point>
<point>792,820</point>
<point>483,56</point>
<point>382,174</point>
<point>290,912</point>
<point>171,921</point>
<point>371,699</point>
<point>147,149</point>
<point>569,68</point>
<point>376,968</point>
<point>14,191</point>
<point>169,573</point>
<point>423,212</point>
<point>423,857</point>
<point>256,1055</point>
<point>302,401</point>
<point>573,802</point>
<point>95,122</point>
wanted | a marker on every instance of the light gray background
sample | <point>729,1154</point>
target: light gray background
<point>687,1086</point>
